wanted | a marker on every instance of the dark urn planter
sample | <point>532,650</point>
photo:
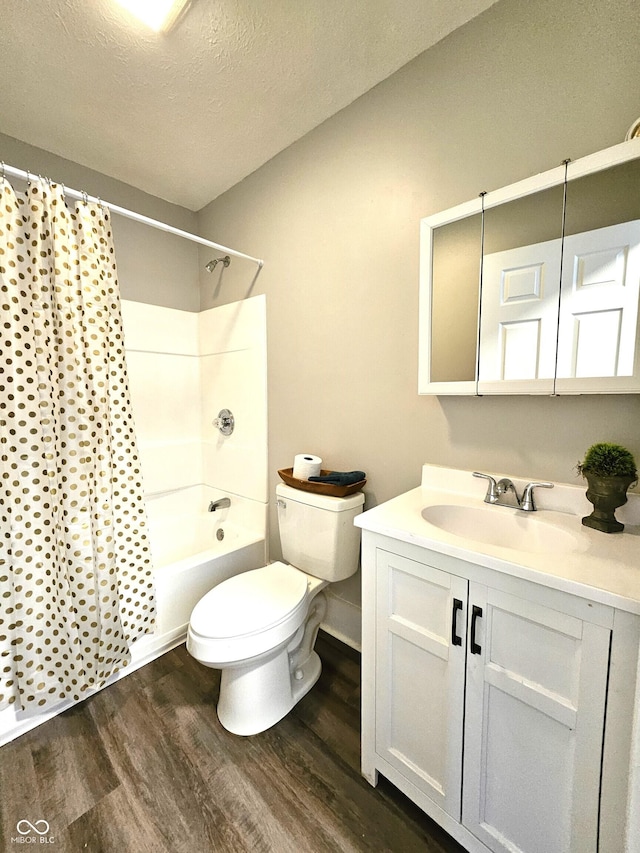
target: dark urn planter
<point>606,494</point>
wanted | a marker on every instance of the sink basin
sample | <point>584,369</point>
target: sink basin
<point>502,527</point>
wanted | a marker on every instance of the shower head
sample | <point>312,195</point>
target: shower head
<point>213,263</point>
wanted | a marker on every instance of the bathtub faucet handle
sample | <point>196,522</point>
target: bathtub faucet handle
<point>225,422</point>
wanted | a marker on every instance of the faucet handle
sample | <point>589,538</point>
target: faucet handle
<point>528,503</point>
<point>224,422</point>
<point>492,489</point>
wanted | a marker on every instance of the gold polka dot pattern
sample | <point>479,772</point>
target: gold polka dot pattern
<point>76,584</point>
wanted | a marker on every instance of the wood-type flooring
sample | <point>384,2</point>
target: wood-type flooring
<point>144,766</point>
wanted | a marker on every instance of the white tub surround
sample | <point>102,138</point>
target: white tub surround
<point>162,346</point>
<point>184,368</point>
<point>233,375</point>
<point>500,683</point>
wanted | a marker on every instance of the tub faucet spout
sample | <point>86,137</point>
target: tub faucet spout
<point>221,503</point>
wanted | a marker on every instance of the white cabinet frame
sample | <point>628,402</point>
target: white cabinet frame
<point>593,163</point>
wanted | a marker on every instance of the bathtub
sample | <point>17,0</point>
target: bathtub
<point>193,550</point>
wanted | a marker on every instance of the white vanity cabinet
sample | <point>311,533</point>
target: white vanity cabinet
<point>484,699</point>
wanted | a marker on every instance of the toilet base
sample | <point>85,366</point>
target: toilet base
<point>254,698</point>
<point>310,673</point>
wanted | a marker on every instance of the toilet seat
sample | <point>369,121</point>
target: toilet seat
<point>249,614</point>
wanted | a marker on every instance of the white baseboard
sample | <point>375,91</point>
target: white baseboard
<point>343,621</point>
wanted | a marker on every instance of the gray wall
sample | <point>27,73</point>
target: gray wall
<point>153,266</point>
<point>336,218</point>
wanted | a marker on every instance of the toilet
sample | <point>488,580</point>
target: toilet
<point>260,626</point>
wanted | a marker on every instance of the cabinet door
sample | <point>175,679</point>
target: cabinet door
<point>599,306</point>
<point>519,319</point>
<point>420,673</point>
<point>535,703</point>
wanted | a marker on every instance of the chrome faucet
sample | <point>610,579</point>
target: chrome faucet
<point>221,503</point>
<point>504,493</point>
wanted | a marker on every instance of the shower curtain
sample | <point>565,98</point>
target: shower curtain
<point>75,572</point>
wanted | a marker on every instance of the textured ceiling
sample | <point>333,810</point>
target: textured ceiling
<point>187,115</point>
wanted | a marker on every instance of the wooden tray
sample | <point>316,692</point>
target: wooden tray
<point>286,474</point>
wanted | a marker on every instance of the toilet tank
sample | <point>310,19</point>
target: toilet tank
<point>317,532</point>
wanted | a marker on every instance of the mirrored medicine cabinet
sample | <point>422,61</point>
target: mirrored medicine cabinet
<point>534,288</point>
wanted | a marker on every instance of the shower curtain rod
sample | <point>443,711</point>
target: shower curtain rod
<point>130,214</point>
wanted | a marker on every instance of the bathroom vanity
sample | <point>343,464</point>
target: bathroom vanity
<point>500,656</point>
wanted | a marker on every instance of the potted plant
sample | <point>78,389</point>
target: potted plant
<point>609,470</point>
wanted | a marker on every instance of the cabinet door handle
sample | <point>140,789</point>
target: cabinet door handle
<point>476,613</point>
<point>456,640</point>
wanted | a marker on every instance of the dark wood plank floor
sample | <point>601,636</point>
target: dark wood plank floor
<point>145,765</point>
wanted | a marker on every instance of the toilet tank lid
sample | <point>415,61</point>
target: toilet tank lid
<point>321,501</point>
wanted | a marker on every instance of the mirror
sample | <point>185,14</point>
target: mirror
<point>600,280</point>
<point>551,311</point>
<point>455,299</point>
<point>521,261</point>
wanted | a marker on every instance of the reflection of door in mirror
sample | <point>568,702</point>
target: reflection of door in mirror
<point>601,275</point>
<point>455,280</point>
<point>520,293</point>
<point>520,312</point>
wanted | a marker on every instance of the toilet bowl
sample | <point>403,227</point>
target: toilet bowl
<point>259,627</point>
<point>256,627</point>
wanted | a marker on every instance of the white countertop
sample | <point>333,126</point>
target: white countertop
<point>606,568</point>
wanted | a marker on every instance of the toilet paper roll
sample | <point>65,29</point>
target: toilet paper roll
<point>306,465</point>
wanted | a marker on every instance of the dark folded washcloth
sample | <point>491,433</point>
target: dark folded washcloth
<point>340,478</point>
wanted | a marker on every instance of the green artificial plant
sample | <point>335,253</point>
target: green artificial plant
<point>608,460</point>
